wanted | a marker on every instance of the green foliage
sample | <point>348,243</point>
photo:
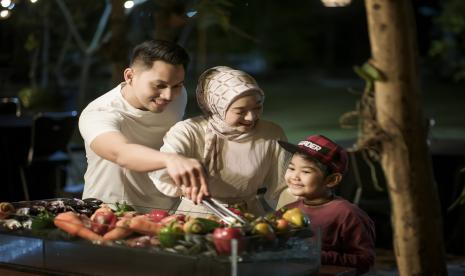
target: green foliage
<point>450,48</point>
<point>214,12</point>
<point>460,199</point>
<point>369,74</point>
<point>37,100</point>
<point>31,43</point>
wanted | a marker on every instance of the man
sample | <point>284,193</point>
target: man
<point>123,131</point>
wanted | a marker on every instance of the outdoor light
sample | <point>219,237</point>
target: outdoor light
<point>336,3</point>
<point>4,14</point>
<point>33,1</point>
<point>5,3</point>
<point>129,4</point>
<point>191,14</point>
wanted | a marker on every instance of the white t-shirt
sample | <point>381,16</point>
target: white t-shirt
<point>247,166</point>
<point>108,181</point>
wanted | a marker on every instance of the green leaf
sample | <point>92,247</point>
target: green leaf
<point>42,222</point>
<point>358,70</point>
<point>371,72</point>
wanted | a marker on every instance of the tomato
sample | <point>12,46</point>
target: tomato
<point>157,215</point>
<point>180,218</point>
<point>222,239</point>
<point>282,225</point>
<point>235,211</point>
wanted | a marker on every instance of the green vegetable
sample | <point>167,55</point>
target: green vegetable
<point>42,222</point>
<point>169,235</point>
<point>120,208</point>
<point>200,226</point>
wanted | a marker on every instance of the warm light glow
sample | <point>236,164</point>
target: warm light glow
<point>4,14</point>
<point>33,1</point>
<point>128,4</point>
<point>336,3</point>
<point>5,3</point>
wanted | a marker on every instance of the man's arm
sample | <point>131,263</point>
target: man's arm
<point>189,172</point>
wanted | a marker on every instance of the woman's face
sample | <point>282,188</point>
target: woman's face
<point>244,112</point>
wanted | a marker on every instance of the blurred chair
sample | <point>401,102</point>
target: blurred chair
<point>50,136</point>
<point>10,106</point>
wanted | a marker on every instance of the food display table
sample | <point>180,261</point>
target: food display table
<point>53,253</point>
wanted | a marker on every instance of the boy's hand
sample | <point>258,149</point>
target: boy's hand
<point>190,174</point>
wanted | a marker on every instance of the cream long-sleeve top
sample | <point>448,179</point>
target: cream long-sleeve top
<point>247,166</point>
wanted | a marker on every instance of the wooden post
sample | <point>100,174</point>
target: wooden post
<point>416,217</point>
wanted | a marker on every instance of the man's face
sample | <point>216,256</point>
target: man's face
<point>244,112</point>
<point>154,88</point>
<point>305,179</point>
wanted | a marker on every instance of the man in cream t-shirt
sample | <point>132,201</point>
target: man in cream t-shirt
<point>123,130</point>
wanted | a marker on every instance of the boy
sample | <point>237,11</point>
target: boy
<point>316,167</point>
<point>123,130</point>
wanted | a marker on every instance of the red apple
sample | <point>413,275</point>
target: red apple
<point>222,237</point>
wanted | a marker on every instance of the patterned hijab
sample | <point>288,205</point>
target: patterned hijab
<point>217,89</point>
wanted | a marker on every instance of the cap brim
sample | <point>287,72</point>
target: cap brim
<point>291,147</point>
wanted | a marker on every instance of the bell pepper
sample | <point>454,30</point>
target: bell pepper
<point>200,226</point>
<point>264,229</point>
<point>169,235</point>
<point>296,217</point>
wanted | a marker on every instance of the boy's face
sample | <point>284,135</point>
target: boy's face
<point>305,179</point>
<point>154,88</point>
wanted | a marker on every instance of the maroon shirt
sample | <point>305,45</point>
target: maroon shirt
<point>347,233</point>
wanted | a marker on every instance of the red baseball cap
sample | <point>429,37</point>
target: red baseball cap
<point>322,149</point>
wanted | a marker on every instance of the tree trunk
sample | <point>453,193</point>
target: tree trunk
<point>416,217</point>
<point>118,44</point>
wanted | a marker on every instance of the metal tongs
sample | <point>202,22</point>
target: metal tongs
<point>222,211</point>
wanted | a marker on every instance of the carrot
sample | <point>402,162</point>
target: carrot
<point>68,222</point>
<point>88,234</point>
<point>121,231</point>
<point>143,225</point>
<point>72,224</point>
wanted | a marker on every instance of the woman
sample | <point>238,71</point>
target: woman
<point>239,151</point>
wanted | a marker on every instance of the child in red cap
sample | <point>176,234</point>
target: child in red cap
<point>348,234</point>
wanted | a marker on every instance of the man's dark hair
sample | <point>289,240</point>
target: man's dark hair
<point>152,50</point>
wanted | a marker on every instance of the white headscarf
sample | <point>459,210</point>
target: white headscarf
<point>217,89</point>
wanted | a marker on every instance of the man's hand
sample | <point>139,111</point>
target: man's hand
<point>188,173</point>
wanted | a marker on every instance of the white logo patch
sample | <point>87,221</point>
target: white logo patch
<point>311,145</point>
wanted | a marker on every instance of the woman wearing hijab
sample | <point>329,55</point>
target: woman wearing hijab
<point>240,152</point>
